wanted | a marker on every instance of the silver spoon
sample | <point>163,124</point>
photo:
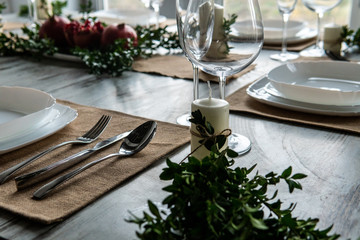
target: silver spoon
<point>135,142</point>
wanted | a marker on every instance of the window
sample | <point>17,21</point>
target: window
<point>338,15</point>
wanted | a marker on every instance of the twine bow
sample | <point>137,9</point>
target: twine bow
<point>202,133</point>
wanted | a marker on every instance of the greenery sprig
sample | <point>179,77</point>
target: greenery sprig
<point>210,199</point>
<point>227,29</point>
<point>13,45</point>
<point>350,37</point>
<point>2,6</point>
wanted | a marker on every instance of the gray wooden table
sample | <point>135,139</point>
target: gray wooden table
<point>330,159</point>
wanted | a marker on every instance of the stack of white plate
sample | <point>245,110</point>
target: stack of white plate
<point>297,32</point>
<point>323,87</point>
<point>28,115</point>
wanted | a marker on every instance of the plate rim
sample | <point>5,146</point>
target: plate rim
<point>67,115</point>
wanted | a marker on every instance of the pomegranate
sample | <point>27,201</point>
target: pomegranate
<point>53,28</point>
<point>87,35</point>
<point>114,32</point>
<point>70,30</point>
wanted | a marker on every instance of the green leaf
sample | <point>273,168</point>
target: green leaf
<point>153,209</point>
<point>286,173</point>
<point>298,176</point>
<point>258,223</point>
<point>231,153</point>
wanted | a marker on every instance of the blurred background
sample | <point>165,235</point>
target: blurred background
<point>346,13</point>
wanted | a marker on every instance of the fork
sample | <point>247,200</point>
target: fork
<point>88,137</point>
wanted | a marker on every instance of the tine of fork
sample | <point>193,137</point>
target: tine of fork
<point>90,133</point>
<point>100,128</point>
<point>86,135</point>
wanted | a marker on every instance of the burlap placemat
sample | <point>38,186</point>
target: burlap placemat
<point>177,67</point>
<point>94,182</point>
<point>241,102</point>
<point>7,26</point>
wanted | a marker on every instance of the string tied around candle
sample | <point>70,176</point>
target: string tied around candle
<point>202,133</point>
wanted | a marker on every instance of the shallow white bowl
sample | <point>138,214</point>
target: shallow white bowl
<point>22,109</point>
<point>321,82</point>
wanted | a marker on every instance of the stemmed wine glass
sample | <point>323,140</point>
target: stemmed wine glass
<point>156,4</point>
<point>319,7</point>
<point>146,3</point>
<point>236,42</point>
<point>285,8</point>
<point>181,6</point>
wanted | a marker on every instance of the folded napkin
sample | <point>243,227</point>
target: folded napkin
<point>241,102</point>
<point>176,66</point>
<point>94,182</point>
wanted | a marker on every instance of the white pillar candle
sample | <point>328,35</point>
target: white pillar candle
<point>39,12</point>
<point>332,38</point>
<point>216,112</point>
<point>218,48</point>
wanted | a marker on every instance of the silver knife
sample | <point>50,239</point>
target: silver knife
<point>49,171</point>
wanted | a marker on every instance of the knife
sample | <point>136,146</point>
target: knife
<point>52,169</point>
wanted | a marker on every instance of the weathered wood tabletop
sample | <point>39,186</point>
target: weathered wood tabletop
<point>331,159</point>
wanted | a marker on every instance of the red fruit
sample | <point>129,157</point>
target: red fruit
<point>114,32</point>
<point>70,30</point>
<point>87,35</point>
<point>53,28</point>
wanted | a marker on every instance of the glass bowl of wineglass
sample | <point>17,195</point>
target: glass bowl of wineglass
<point>319,7</point>
<point>237,40</point>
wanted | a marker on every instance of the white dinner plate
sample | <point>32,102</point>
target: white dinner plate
<point>58,118</point>
<point>22,109</point>
<point>131,17</point>
<point>263,92</point>
<point>319,82</point>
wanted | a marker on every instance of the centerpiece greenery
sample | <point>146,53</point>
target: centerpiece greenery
<point>112,60</point>
<point>209,199</point>
<point>350,37</point>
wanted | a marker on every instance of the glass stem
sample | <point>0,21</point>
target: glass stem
<point>157,12</point>
<point>285,17</point>
<point>195,81</point>
<point>319,16</point>
<point>222,82</point>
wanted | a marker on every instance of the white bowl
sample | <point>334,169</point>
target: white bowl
<point>22,109</point>
<point>321,82</point>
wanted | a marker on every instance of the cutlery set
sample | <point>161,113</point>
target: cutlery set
<point>134,141</point>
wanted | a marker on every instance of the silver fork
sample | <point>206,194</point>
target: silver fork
<point>88,137</point>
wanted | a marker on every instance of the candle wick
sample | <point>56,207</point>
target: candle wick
<point>210,91</point>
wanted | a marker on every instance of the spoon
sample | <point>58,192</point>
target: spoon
<point>137,140</point>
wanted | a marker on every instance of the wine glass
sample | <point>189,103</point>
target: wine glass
<point>319,7</point>
<point>33,16</point>
<point>156,4</point>
<point>146,3</point>
<point>236,42</point>
<point>181,6</point>
<point>285,8</point>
